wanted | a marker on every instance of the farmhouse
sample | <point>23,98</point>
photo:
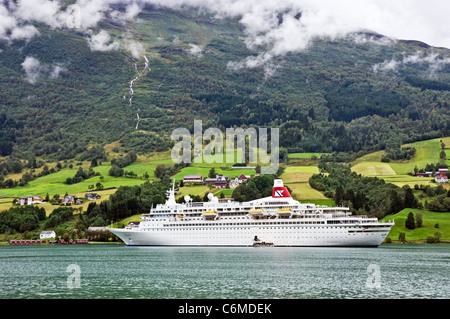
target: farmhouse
<point>30,200</point>
<point>69,199</point>
<point>243,178</point>
<point>220,181</point>
<point>426,174</point>
<point>192,179</point>
<point>92,196</point>
<point>441,176</point>
<point>46,234</point>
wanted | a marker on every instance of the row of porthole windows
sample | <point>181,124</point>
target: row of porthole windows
<point>247,224</point>
<point>246,228</point>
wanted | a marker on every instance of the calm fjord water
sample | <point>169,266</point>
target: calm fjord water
<point>117,271</point>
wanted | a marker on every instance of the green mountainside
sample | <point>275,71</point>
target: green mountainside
<point>336,96</point>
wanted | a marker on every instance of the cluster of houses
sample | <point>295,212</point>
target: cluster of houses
<point>67,200</point>
<point>220,181</point>
<point>440,176</point>
<point>74,200</point>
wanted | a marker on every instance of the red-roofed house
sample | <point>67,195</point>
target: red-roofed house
<point>192,179</point>
<point>441,176</point>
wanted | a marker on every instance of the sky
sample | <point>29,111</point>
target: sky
<point>302,20</point>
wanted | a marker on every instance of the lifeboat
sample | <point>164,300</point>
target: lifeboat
<point>284,211</point>
<point>256,212</point>
<point>210,214</point>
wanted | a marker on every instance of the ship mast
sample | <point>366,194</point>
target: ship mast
<point>171,195</point>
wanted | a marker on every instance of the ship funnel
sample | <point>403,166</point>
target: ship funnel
<point>278,183</point>
<point>279,190</point>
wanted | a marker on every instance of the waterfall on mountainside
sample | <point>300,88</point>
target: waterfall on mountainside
<point>139,74</point>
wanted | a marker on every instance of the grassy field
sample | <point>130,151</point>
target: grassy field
<point>305,155</point>
<point>304,192</point>
<point>298,174</point>
<point>373,169</point>
<point>430,219</point>
<point>401,180</point>
<point>54,183</point>
<point>297,177</point>
<point>204,171</point>
<point>427,152</point>
<point>200,190</point>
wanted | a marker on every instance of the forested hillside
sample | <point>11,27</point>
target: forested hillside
<point>58,97</point>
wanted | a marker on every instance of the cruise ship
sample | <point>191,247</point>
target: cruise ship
<point>277,220</point>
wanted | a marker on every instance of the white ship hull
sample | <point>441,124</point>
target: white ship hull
<point>276,220</point>
<point>314,236</point>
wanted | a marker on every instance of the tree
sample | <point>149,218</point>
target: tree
<point>159,171</point>
<point>115,171</point>
<point>339,195</point>
<point>84,222</point>
<point>410,223</point>
<point>442,155</point>
<point>212,173</point>
<point>419,220</point>
<point>437,237</point>
<point>47,198</point>
<point>410,200</point>
<point>402,237</point>
<point>395,204</point>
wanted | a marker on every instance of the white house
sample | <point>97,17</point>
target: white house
<point>441,177</point>
<point>46,234</point>
<point>30,200</point>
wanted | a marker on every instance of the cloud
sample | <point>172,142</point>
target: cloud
<point>434,61</point>
<point>275,28</point>
<point>195,50</point>
<point>34,70</point>
<point>136,48</point>
<point>56,71</point>
<point>272,27</point>
<point>38,11</point>
<point>102,42</point>
<point>11,29</point>
<point>387,65</point>
<point>23,33</point>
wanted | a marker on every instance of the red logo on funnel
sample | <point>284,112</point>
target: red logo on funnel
<point>280,192</point>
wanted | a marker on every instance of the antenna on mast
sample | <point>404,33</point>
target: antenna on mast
<point>171,195</point>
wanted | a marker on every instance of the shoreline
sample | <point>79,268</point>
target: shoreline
<point>396,242</point>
